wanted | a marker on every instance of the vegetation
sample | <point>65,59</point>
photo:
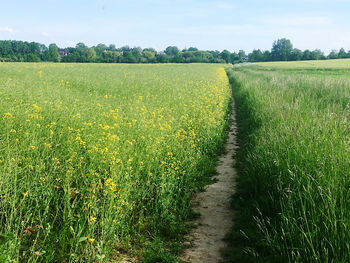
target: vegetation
<point>100,159</point>
<point>293,194</point>
<point>18,51</point>
<point>282,50</point>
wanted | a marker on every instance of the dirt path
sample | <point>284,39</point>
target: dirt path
<point>213,205</point>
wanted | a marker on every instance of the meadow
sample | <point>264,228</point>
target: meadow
<point>97,160</point>
<point>294,162</point>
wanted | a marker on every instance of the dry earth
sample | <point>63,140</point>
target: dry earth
<point>206,240</point>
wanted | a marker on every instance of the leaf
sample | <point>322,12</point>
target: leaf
<point>82,239</point>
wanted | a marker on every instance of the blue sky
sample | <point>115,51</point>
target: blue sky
<point>206,24</point>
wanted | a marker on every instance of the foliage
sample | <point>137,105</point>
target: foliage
<point>282,50</point>
<point>293,191</point>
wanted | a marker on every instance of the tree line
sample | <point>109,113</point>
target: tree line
<point>282,50</point>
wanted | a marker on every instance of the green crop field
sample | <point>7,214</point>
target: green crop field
<point>309,64</point>
<point>99,159</point>
<point>294,162</point>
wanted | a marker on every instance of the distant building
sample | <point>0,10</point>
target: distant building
<point>62,52</point>
<point>245,59</point>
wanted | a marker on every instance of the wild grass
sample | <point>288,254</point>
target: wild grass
<point>96,160</point>
<point>294,165</point>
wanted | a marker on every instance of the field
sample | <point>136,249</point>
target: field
<point>309,64</point>
<point>96,160</point>
<point>293,195</point>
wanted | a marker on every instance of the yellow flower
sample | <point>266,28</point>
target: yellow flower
<point>37,108</point>
<point>92,219</point>
<point>91,240</point>
<point>8,115</point>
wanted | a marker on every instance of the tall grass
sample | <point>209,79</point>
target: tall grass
<point>97,158</point>
<point>294,165</point>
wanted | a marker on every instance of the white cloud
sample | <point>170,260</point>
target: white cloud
<point>296,21</point>
<point>6,29</point>
<point>45,34</point>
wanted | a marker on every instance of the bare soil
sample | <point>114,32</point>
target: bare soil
<point>206,240</point>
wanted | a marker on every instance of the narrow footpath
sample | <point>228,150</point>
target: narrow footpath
<point>206,240</point>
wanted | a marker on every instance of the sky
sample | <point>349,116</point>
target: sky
<point>205,24</point>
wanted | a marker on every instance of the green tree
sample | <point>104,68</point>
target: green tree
<point>88,54</point>
<point>333,54</point>
<point>342,53</point>
<point>256,56</point>
<point>317,54</point>
<point>267,55</point>
<point>241,54</point>
<point>149,54</point>
<point>172,51</point>
<point>307,55</point>
<point>110,56</point>
<point>226,55</point>
<point>162,58</point>
<point>296,54</point>
<point>53,53</point>
<point>281,49</point>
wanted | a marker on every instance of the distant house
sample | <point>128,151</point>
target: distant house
<point>245,59</point>
<point>62,52</point>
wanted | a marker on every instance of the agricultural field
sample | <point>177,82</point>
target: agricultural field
<point>294,162</point>
<point>97,159</point>
<point>309,64</point>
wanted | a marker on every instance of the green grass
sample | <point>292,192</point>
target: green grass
<point>307,64</point>
<point>294,170</point>
<point>97,160</point>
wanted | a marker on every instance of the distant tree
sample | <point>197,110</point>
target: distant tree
<point>296,54</point>
<point>99,49</point>
<point>172,51</point>
<point>256,56</point>
<point>112,47</point>
<point>34,48</point>
<point>215,53</point>
<point>226,55</point>
<point>317,55</point>
<point>281,50</point>
<point>233,58</point>
<point>342,53</point>
<point>192,49</point>
<point>125,49</point>
<point>241,54</point>
<point>307,55</point>
<point>178,58</point>
<point>149,54</point>
<point>137,53</point>
<point>162,58</point>
<point>85,54</point>
<point>53,53</point>
<point>80,45</point>
<point>267,55</point>
<point>110,56</point>
<point>207,57</point>
<point>128,57</point>
<point>333,54</point>
<point>32,58</point>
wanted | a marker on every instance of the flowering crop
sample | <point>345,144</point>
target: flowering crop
<point>92,156</point>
